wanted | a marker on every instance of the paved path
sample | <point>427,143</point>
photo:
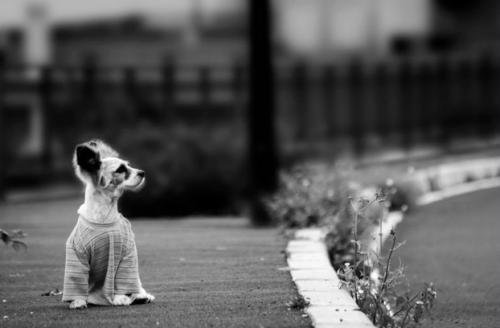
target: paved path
<point>456,244</point>
<point>204,273</point>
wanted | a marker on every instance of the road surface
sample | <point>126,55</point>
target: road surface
<point>455,243</point>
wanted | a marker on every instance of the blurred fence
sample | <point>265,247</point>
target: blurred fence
<point>80,102</point>
<point>399,102</point>
<point>403,103</point>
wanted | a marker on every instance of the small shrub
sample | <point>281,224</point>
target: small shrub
<point>401,195</point>
<point>338,240</point>
<point>306,198</point>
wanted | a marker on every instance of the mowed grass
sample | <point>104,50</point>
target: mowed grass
<point>203,272</point>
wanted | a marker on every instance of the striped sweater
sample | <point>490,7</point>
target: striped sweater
<point>101,261</point>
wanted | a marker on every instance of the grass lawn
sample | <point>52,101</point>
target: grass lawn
<point>203,272</point>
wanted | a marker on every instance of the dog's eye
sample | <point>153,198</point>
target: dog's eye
<point>121,169</point>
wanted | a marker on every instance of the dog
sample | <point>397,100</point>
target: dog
<point>101,256</point>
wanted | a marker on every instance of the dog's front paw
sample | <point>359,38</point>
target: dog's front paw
<point>143,297</point>
<point>78,304</point>
<point>147,297</point>
<point>121,300</point>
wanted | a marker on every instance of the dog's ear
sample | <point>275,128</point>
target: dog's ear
<point>87,158</point>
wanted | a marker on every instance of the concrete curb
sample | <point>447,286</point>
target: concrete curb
<point>436,196</point>
<point>317,281</point>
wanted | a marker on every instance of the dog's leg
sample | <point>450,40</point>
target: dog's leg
<point>128,275</point>
<point>78,304</point>
<point>76,278</point>
<point>142,296</point>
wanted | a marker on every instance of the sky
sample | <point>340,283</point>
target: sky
<point>13,12</point>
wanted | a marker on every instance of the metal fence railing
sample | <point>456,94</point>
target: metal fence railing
<point>426,101</point>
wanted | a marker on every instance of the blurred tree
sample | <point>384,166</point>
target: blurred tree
<point>261,114</point>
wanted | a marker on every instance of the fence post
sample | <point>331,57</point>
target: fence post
<point>46,90</point>
<point>204,90</point>
<point>300,91</point>
<point>405,109</point>
<point>426,99</point>
<point>168,87</point>
<point>461,100</point>
<point>239,95</point>
<point>443,75</point>
<point>487,87</point>
<point>357,94</point>
<point>3,148</point>
<point>382,104</point>
<point>238,84</point>
<point>416,89</point>
<point>130,86</point>
<point>433,103</point>
<point>496,99</point>
<point>329,88</point>
<point>89,79</point>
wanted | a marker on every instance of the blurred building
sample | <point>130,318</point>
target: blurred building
<point>138,40</point>
<point>318,29</point>
<point>141,41</point>
<point>336,29</point>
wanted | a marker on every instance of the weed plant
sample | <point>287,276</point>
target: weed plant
<point>375,285</point>
<point>13,239</point>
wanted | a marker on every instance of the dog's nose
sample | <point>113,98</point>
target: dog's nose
<point>142,174</point>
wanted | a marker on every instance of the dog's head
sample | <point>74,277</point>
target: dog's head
<point>98,164</point>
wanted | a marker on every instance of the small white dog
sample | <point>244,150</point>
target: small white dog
<point>101,255</point>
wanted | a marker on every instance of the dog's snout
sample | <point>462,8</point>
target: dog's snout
<point>142,174</point>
